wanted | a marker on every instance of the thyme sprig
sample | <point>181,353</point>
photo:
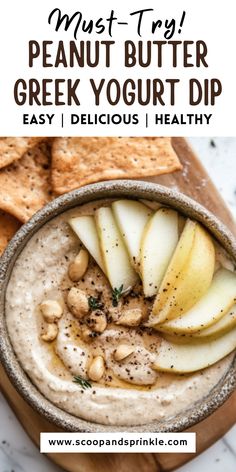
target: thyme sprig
<point>94,303</point>
<point>82,382</point>
<point>116,294</point>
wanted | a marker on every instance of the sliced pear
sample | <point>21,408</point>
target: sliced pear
<point>184,262</point>
<point>181,223</point>
<point>115,256</point>
<point>188,276</point>
<point>151,204</point>
<point>160,238</point>
<point>225,324</point>
<point>221,327</point>
<point>190,358</point>
<point>85,228</point>
<point>177,263</point>
<point>131,217</point>
<point>209,309</point>
<point>180,338</point>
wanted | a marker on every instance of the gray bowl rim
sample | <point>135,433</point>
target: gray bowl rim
<point>111,189</point>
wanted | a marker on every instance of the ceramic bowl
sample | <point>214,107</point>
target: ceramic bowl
<point>112,189</point>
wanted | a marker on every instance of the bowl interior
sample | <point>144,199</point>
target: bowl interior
<point>112,189</point>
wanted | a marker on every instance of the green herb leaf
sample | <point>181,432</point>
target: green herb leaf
<point>116,294</point>
<point>82,382</point>
<point>94,303</point>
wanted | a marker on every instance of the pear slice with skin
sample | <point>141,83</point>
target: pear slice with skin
<point>196,276</point>
<point>151,204</point>
<point>131,217</point>
<point>180,338</point>
<point>176,266</point>
<point>221,327</point>
<point>220,297</point>
<point>188,276</point>
<point>85,228</point>
<point>225,324</point>
<point>188,358</point>
<point>160,238</point>
<point>181,223</point>
<point>118,268</point>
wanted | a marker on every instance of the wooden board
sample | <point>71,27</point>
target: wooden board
<point>193,181</point>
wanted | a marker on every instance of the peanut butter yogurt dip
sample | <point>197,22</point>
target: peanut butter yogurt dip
<point>58,343</point>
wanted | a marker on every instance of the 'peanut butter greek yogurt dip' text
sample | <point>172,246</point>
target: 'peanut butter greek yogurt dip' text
<point>91,347</point>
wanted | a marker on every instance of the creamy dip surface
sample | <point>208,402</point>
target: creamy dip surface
<point>130,392</point>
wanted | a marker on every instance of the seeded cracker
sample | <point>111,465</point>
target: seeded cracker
<point>81,161</point>
<point>25,184</point>
<point>8,227</point>
<point>12,149</point>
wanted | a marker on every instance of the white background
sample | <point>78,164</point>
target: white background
<point>213,22</point>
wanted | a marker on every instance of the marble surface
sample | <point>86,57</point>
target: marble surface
<point>18,453</point>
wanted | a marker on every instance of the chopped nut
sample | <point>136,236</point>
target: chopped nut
<point>97,321</point>
<point>97,368</point>
<point>123,351</point>
<point>78,268</point>
<point>77,302</point>
<point>50,333</point>
<point>130,317</point>
<point>51,310</point>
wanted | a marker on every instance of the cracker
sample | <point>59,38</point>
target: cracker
<point>25,185</point>
<point>8,227</point>
<point>12,149</point>
<point>81,161</point>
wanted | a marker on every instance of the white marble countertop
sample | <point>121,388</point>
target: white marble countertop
<point>18,453</point>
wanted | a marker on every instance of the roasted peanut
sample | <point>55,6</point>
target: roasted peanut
<point>122,351</point>
<point>77,302</point>
<point>97,321</point>
<point>130,317</point>
<point>51,310</point>
<point>50,333</point>
<point>78,268</point>
<point>97,368</point>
